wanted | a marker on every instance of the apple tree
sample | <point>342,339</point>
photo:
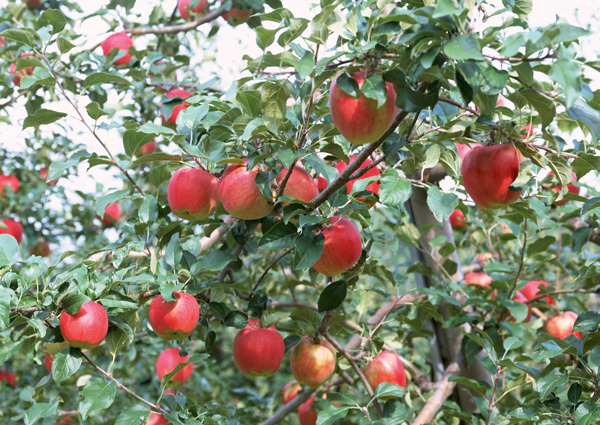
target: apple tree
<point>395,205</point>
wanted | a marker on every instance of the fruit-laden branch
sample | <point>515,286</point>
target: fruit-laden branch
<point>172,29</point>
<point>121,386</point>
<point>289,407</point>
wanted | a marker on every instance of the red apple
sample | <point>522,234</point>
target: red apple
<point>48,361</point>
<point>236,16</point>
<point>307,413</point>
<point>519,297</point>
<point>193,194</point>
<point>27,71</point>
<point>174,320</point>
<point>148,148</point>
<point>258,351</point>
<point>33,4</point>
<point>121,41</point>
<point>197,7</point>
<point>290,391</point>
<point>300,184</point>
<point>570,187</point>
<point>10,181</point>
<point>386,367</point>
<point>112,213</point>
<point>532,289</point>
<point>44,172</point>
<point>457,220</point>
<point>9,377</point>
<point>157,419</point>
<point>479,279</point>
<point>86,328</point>
<point>322,183</point>
<point>527,130</point>
<point>13,228</point>
<point>40,249</point>
<point>240,194</point>
<point>166,363</point>
<point>174,94</point>
<point>373,172</point>
<point>487,173</point>
<point>343,247</point>
<point>561,325</point>
<point>360,121</point>
<point>464,149</point>
<point>312,363</point>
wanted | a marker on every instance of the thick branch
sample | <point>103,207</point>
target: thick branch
<point>173,29</point>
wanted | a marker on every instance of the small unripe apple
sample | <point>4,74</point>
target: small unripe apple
<point>193,194</point>
<point>196,7</point>
<point>359,119</point>
<point>157,419</point>
<point>343,247</point>
<point>373,172</point>
<point>258,351</point>
<point>307,413</point>
<point>10,181</point>
<point>27,71</point>
<point>121,41</point>
<point>166,363</point>
<point>570,187</point>
<point>532,289</point>
<point>488,172</point>
<point>386,367</point>
<point>173,113</point>
<point>148,148</point>
<point>312,363</point>
<point>86,328</point>
<point>561,325</point>
<point>479,279</point>
<point>457,220</point>
<point>40,249</point>
<point>13,228</point>
<point>290,391</point>
<point>300,185</point>
<point>174,320</point>
<point>112,213</point>
<point>240,194</point>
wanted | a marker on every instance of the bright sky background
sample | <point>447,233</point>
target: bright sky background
<point>232,44</point>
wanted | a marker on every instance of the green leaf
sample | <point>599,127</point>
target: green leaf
<point>466,91</point>
<point>333,295</point>
<point>104,77</point>
<point>395,189</point>
<point>332,414</point>
<point>583,112</point>
<point>543,105</point>
<point>103,201</point>
<point>215,260</point>
<point>236,319</point>
<point>257,304</point>
<point>64,45</point>
<point>5,301</point>
<point>522,7</point>
<point>594,360</point>
<point>441,204</point>
<point>575,391</point>
<point>116,300</point>
<point>118,336</point>
<point>173,252</point>
<point>296,27</point>
<point>464,47</point>
<point>64,365</point>
<point>549,382</point>
<point>148,211</point>
<point>387,389</point>
<point>54,18</point>
<point>42,117</point>
<point>39,411</point>
<point>156,129</point>
<point>348,85</point>
<point>447,8</point>
<point>587,413</point>
<point>567,72</point>
<point>9,250</point>
<point>277,235</point>
<point>133,416</point>
<point>375,88</point>
<point>96,394</point>
<point>94,111</point>
<point>73,302</point>
<point>27,37</point>
<point>309,247</point>
<point>273,102</point>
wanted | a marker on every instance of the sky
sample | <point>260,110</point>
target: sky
<point>232,44</point>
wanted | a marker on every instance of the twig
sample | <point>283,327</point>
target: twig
<point>172,29</point>
<point>289,407</point>
<point>269,267</point>
<point>562,291</point>
<point>458,104</point>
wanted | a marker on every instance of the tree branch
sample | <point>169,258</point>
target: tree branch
<point>172,29</point>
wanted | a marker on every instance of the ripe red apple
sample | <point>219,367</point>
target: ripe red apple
<point>479,279</point>
<point>166,363</point>
<point>174,320</point>
<point>148,148</point>
<point>44,172</point>
<point>236,16</point>
<point>86,328</point>
<point>174,94</point>
<point>532,289</point>
<point>300,185</point>
<point>457,220</point>
<point>561,325</point>
<point>27,71</point>
<point>386,367</point>
<point>307,413</point>
<point>373,172</point>
<point>570,187</point>
<point>240,194</point>
<point>10,181</point>
<point>312,363</point>
<point>48,361</point>
<point>321,183</point>
<point>197,7</point>
<point>112,213</point>
<point>193,194</point>
<point>464,149</point>
<point>258,351</point>
<point>343,247</point>
<point>9,377</point>
<point>527,131</point>
<point>121,41</point>
<point>290,391</point>
<point>519,297</point>
<point>487,173</point>
<point>360,120</point>
<point>40,249</point>
<point>13,228</point>
<point>157,419</point>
